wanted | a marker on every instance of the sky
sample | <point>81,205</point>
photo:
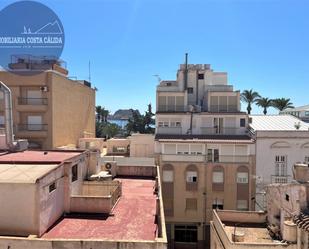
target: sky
<point>261,44</point>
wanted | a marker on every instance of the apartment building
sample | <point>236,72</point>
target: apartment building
<point>49,109</point>
<point>284,225</point>
<point>70,199</point>
<point>205,154</point>
<point>301,112</point>
<point>281,141</point>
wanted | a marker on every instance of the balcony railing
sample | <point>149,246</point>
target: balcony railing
<point>280,179</point>
<point>205,158</point>
<point>222,131</point>
<point>32,127</point>
<point>227,159</point>
<point>171,108</point>
<point>169,130</point>
<point>32,101</point>
<point>223,108</point>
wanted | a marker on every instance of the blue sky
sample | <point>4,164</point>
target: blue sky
<point>262,45</point>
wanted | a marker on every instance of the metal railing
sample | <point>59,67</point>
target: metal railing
<point>171,108</point>
<point>223,108</point>
<point>32,101</point>
<point>32,127</point>
<point>227,159</point>
<point>280,179</point>
<point>169,130</point>
<point>221,131</point>
<point>206,158</point>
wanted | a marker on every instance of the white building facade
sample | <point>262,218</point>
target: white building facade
<point>280,142</point>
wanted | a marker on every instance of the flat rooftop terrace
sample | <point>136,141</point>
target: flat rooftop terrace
<point>29,156</point>
<point>133,217</point>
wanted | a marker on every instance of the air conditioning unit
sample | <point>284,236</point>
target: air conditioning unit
<point>111,167</point>
<point>44,88</point>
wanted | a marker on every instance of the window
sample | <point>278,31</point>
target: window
<point>213,155</point>
<point>186,234</point>
<point>242,122</point>
<point>34,123</point>
<point>242,177</point>
<point>1,121</point>
<point>217,176</point>
<point>217,204</point>
<point>281,165</point>
<point>196,149</point>
<point>163,124</point>
<point>74,173</point>
<point>242,205</point>
<point>190,90</point>
<point>307,159</point>
<point>287,197</point>
<point>183,149</point>
<point>306,113</point>
<point>168,175</point>
<point>200,76</point>
<point>191,176</point>
<point>52,187</point>
<point>191,204</point>
<point>175,124</point>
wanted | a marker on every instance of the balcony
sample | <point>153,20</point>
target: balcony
<point>172,108</point>
<point>32,127</point>
<point>169,130</point>
<point>228,159</point>
<point>32,101</point>
<point>280,179</point>
<point>183,158</point>
<point>223,108</point>
<point>223,131</point>
<point>204,158</point>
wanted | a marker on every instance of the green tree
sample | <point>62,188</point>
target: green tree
<point>249,97</point>
<point>104,114</point>
<point>106,130</point>
<point>141,123</point>
<point>98,110</point>
<point>282,103</point>
<point>264,103</point>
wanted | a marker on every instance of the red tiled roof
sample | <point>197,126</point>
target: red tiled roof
<point>133,217</point>
<point>29,156</point>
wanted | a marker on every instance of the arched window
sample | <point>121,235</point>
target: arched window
<point>242,175</point>
<point>218,178</point>
<point>167,173</point>
<point>191,175</point>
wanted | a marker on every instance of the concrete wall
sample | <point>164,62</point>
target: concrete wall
<point>19,215</point>
<point>73,110</point>
<point>68,113</point>
<point>50,205</point>
<point>141,145</point>
<point>22,243</point>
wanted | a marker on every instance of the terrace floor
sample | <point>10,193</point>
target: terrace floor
<point>133,217</point>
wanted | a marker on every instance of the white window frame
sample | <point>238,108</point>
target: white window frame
<point>217,177</point>
<point>243,177</point>
<point>191,176</point>
<point>168,176</point>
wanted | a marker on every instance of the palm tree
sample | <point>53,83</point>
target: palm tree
<point>264,103</point>
<point>282,103</point>
<point>104,114</point>
<point>98,110</point>
<point>250,97</point>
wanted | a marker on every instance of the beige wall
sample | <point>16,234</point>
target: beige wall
<point>18,214</point>
<point>69,112</point>
<point>73,113</point>
<point>141,145</point>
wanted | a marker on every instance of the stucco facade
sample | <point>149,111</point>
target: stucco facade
<point>205,154</point>
<point>49,109</point>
